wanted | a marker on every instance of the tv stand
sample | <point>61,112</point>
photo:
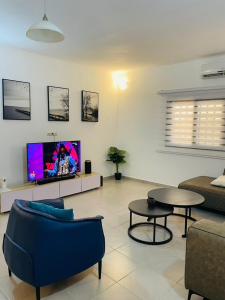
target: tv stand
<point>34,192</point>
<point>54,179</point>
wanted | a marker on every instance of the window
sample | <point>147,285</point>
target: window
<point>196,124</point>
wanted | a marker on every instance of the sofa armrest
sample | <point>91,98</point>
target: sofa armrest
<point>205,259</point>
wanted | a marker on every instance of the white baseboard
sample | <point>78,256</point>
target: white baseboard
<point>146,181</point>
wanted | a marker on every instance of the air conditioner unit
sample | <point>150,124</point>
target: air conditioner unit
<point>215,70</point>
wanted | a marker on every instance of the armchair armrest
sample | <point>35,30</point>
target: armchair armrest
<point>93,219</point>
<point>205,259</point>
<point>73,247</point>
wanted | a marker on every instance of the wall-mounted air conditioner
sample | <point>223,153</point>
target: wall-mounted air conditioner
<point>213,70</point>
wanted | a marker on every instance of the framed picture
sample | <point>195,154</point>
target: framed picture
<point>89,106</point>
<point>16,100</point>
<point>58,103</point>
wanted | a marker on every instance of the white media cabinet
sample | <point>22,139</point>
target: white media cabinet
<point>33,192</point>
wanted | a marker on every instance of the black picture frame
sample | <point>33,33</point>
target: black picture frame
<point>18,92</point>
<point>60,114</point>
<point>89,106</point>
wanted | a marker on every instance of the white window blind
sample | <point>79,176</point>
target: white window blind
<point>196,124</point>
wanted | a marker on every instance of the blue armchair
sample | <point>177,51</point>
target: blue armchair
<point>41,249</point>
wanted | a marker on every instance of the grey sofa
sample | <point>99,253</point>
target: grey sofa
<point>214,196</point>
<point>205,260</point>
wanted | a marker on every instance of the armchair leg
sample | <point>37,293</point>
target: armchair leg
<point>190,293</point>
<point>10,273</point>
<point>100,269</point>
<point>38,294</point>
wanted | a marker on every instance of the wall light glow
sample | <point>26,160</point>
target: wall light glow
<point>120,80</point>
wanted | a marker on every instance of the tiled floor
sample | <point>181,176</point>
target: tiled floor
<point>131,271</point>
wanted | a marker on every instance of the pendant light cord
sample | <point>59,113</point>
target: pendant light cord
<point>44,7</point>
<point>45,18</point>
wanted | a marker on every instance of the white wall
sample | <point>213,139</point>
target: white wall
<point>41,71</point>
<point>141,124</point>
<point>137,126</point>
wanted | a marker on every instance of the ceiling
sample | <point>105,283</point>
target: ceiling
<point>120,32</point>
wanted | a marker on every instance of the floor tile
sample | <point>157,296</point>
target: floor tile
<point>88,286</point>
<point>147,284</point>
<point>130,270</point>
<point>116,265</point>
<point>117,292</point>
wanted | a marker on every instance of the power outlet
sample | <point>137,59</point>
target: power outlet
<point>52,134</point>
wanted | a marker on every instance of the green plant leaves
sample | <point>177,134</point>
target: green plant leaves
<point>115,155</point>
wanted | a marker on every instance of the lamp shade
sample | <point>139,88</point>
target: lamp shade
<point>45,31</point>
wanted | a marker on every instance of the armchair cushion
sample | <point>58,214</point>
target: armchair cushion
<point>64,214</point>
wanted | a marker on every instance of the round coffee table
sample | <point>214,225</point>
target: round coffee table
<point>140,207</point>
<point>174,197</point>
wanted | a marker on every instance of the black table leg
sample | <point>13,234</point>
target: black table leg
<point>130,218</point>
<point>186,222</point>
<point>154,229</point>
<point>189,212</point>
<point>165,222</point>
<point>187,216</point>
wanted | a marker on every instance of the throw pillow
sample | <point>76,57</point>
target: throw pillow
<point>220,181</point>
<point>63,214</point>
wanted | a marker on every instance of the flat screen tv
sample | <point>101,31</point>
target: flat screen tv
<point>53,159</point>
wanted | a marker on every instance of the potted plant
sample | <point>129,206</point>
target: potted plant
<point>116,156</point>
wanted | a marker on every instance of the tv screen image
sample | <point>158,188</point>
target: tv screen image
<point>53,159</point>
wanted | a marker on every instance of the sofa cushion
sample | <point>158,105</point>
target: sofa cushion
<point>202,183</point>
<point>63,214</point>
<point>214,195</point>
<point>220,181</point>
